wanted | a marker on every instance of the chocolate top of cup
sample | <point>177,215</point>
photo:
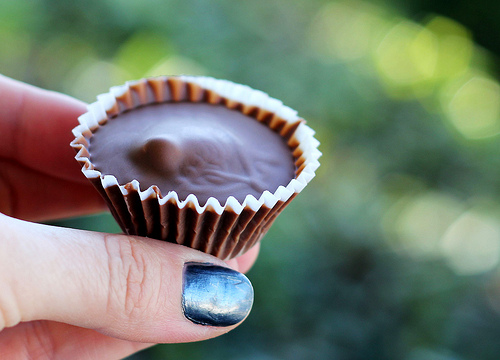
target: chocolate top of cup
<point>193,148</point>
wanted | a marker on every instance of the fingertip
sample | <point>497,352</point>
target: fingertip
<point>128,287</point>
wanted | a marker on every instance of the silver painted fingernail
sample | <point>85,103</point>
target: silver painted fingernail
<point>215,295</point>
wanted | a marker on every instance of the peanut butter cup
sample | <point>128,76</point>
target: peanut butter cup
<point>196,161</point>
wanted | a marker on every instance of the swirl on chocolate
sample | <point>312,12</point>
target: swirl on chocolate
<point>193,148</point>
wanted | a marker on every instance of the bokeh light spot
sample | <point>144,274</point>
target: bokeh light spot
<point>141,52</point>
<point>407,54</point>
<point>471,245</point>
<point>455,47</point>
<point>420,222</point>
<point>474,110</point>
<point>345,30</point>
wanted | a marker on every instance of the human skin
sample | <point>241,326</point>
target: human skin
<point>67,293</point>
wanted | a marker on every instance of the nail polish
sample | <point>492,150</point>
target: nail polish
<point>215,295</point>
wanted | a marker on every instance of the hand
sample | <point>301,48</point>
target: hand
<point>68,293</point>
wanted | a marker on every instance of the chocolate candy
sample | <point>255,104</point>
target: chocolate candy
<point>193,148</point>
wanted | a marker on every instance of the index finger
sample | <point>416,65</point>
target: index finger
<point>39,177</point>
<point>36,128</point>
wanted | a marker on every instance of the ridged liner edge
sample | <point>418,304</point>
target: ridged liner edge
<point>225,230</point>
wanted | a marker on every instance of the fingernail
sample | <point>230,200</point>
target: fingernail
<point>214,295</point>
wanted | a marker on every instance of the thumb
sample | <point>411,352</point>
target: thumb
<point>127,287</point>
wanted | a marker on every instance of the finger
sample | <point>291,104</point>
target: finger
<point>52,340</point>
<point>36,161</point>
<point>36,128</point>
<point>31,195</point>
<point>132,288</point>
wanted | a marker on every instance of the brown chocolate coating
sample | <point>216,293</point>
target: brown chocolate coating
<point>193,148</point>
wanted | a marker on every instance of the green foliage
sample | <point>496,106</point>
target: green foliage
<point>368,262</point>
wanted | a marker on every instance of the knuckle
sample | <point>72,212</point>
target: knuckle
<point>133,286</point>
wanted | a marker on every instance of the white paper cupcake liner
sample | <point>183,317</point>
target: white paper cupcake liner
<point>223,230</point>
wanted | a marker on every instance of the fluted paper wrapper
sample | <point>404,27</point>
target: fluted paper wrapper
<point>223,230</point>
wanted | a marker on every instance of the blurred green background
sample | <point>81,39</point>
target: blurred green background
<point>393,250</point>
